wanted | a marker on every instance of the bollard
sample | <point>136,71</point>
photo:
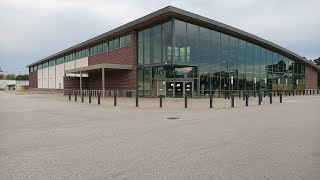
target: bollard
<point>310,91</point>
<point>82,97</point>
<point>115,98</point>
<point>75,97</point>
<point>270,95</point>
<point>239,93</point>
<point>280,97</point>
<point>260,98</point>
<point>160,101</point>
<point>228,92</point>
<point>254,94</point>
<point>232,100</point>
<point>247,99</point>
<point>211,100</point>
<point>289,92</point>
<point>137,100</point>
<point>185,101</point>
<point>99,98</point>
<point>69,95</point>
<point>244,96</point>
<point>90,97</point>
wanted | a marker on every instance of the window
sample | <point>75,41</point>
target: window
<point>180,36</point>
<point>128,40</point>
<point>193,41</point>
<point>122,41</point>
<point>166,31</point>
<point>111,45</point>
<point>156,44</point>
<point>205,54</point>
<point>146,47</point>
<point>116,43</point>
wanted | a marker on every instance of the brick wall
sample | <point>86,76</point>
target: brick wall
<point>116,79</point>
<point>74,83</point>
<point>33,79</point>
<point>311,78</point>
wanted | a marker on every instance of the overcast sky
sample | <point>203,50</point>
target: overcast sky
<point>34,29</point>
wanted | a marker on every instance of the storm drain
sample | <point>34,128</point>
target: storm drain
<point>173,118</point>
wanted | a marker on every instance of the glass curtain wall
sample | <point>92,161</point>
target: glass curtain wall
<point>224,62</point>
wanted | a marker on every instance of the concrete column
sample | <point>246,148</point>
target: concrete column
<point>80,82</point>
<point>103,87</point>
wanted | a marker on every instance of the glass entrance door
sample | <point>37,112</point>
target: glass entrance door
<point>178,89</point>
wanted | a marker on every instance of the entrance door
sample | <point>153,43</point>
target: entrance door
<point>169,89</point>
<point>188,89</point>
<point>179,89</point>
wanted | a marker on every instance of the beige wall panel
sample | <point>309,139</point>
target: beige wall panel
<point>82,62</point>
<point>52,77</point>
<point>39,78</point>
<point>59,76</point>
<point>45,76</point>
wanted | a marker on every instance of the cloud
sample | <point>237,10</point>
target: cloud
<point>34,29</point>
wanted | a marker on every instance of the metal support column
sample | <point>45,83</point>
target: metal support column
<point>80,82</point>
<point>103,84</point>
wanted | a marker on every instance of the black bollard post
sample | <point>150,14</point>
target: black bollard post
<point>89,96</point>
<point>99,98</point>
<point>75,96</point>
<point>82,99</point>
<point>244,95</point>
<point>289,92</point>
<point>232,100</point>
<point>247,99</point>
<point>260,98</point>
<point>160,101</point>
<point>254,94</point>
<point>137,100</point>
<point>239,94</point>
<point>270,95</point>
<point>210,100</point>
<point>310,91</point>
<point>115,98</point>
<point>228,92</point>
<point>69,95</point>
<point>280,97</point>
<point>185,101</point>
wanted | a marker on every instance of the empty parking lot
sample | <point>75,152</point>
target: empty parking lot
<point>45,136</point>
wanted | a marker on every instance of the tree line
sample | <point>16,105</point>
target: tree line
<point>14,77</point>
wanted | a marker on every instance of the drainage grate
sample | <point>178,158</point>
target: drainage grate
<point>173,118</point>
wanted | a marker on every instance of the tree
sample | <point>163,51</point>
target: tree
<point>2,76</point>
<point>11,77</point>
<point>22,77</point>
<point>317,61</point>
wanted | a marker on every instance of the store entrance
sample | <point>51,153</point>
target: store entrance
<point>176,89</point>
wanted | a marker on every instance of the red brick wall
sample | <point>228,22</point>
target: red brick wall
<point>116,79</point>
<point>33,79</point>
<point>311,78</point>
<point>74,83</point>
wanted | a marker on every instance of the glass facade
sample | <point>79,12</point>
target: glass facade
<point>176,56</point>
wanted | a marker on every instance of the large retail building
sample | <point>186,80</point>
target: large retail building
<point>174,53</point>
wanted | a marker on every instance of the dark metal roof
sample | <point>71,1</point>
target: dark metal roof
<point>171,11</point>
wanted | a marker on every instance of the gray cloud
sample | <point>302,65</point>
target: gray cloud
<point>31,30</point>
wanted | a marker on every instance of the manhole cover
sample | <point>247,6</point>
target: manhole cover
<point>173,118</point>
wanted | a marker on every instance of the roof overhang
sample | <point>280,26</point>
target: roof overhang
<point>99,66</point>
